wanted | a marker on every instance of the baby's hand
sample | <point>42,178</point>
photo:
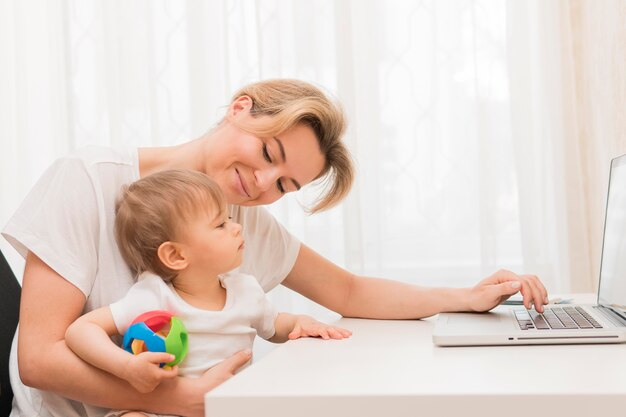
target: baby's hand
<point>143,371</point>
<point>309,327</point>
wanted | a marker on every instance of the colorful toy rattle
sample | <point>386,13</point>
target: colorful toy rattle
<point>157,331</point>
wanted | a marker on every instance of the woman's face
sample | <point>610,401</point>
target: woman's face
<point>254,170</point>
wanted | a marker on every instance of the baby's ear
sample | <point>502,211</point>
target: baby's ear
<point>171,255</point>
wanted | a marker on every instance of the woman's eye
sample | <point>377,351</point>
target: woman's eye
<point>280,187</point>
<point>266,154</point>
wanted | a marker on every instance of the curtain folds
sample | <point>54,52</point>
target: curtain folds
<point>567,63</point>
<point>482,130</point>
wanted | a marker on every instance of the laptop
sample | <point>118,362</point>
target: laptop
<point>604,322</point>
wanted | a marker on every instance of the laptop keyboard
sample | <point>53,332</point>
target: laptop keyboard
<point>556,318</point>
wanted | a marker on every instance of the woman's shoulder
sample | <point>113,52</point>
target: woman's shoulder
<point>94,161</point>
<point>103,169</point>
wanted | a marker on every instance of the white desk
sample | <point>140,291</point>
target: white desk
<point>391,368</point>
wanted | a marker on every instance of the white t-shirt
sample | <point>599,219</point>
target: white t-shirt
<point>67,220</point>
<point>212,335</point>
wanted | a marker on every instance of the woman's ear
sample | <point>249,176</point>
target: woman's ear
<point>171,255</point>
<point>241,105</point>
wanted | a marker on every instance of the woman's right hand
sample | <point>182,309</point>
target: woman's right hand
<point>212,378</point>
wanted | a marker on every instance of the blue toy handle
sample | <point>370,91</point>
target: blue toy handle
<point>154,343</point>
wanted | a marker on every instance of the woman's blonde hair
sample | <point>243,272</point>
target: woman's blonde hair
<point>155,209</point>
<point>287,103</point>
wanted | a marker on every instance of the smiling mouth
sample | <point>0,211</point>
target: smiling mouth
<point>243,187</point>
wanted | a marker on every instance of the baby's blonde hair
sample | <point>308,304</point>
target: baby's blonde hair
<point>288,103</point>
<point>155,209</point>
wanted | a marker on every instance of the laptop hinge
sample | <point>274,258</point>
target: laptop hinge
<point>615,317</point>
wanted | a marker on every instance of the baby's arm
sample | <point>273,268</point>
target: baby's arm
<point>89,338</point>
<point>290,326</point>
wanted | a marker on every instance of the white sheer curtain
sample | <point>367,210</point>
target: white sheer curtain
<point>466,117</point>
<point>567,71</point>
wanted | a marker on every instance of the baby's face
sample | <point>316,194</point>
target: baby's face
<point>213,243</point>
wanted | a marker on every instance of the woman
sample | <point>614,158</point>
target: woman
<point>276,137</point>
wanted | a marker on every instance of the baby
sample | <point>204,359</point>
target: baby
<point>173,230</point>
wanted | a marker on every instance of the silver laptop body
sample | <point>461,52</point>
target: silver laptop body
<point>603,322</point>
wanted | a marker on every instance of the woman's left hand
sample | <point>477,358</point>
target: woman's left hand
<point>498,287</point>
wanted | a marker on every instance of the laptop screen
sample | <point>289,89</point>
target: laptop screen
<point>613,266</point>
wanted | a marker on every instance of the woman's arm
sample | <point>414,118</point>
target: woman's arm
<point>353,296</point>
<point>49,304</point>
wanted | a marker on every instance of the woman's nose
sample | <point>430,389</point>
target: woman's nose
<point>265,178</point>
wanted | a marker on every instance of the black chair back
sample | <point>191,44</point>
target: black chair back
<point>10,292</point>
